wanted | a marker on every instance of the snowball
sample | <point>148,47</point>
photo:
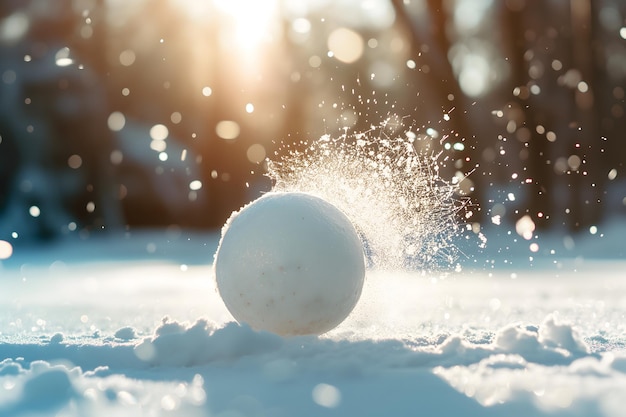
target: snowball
<point>290,263</point>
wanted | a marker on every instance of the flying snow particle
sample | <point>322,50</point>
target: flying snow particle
<point>389,187</point>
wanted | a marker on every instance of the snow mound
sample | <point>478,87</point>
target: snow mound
<point>180,344</point>
<point>551,342</point>
<point>44,389</point>
<point>191,369</point>
<point>175,344</point>
<point>590,385</point>
<point>125,333</point>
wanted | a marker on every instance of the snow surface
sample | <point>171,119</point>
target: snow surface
<point>133,326</point>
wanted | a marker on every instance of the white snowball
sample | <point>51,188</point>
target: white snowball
<point>290,263</point>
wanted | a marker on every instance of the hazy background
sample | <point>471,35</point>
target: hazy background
<point>161,113</point>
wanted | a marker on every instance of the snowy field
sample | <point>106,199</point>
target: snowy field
<point>133,326</point>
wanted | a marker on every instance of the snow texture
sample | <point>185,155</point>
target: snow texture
<point>305,254</point>
<point>138,329</point>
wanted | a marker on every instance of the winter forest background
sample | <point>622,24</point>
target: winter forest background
<point>161,113</point>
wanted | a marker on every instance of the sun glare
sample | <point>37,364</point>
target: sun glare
<point>244,25</point>
<point>195,9</point>
<point>252,20</point>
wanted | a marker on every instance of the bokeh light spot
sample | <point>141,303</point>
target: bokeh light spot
<point>326,395</point>
<point>75,161</point>
<point>9,77</point>
<point>612,174</point>
<point>574,162</point>
<point>301,25</point>
<point>256,153</point>
<point>6,249</point>
<point>315,61</point>
<point>15,26</point>
<point>62,57</point>
<point>34,211</point>
<point>195,185</point>
<point>159,132</point>
<point>346,45</point>
<point>116,157</point>
<point>176,117</point>
<point>127,57</point>
<point>227,129</point>
<point>158,145</point>
<point>86,32</point>
<point>525,227</point>
<point>116,121</point>
<point>474,75</point>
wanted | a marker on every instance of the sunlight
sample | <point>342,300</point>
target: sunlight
<point>195,9</point>
<point>251,19</point>
<point>243,25</point>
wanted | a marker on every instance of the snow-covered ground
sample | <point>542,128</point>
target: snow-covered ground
<point>133,326</point>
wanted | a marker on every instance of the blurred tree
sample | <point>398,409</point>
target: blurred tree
<point>534,87</point>
<point>9,160</point>
<point>54,115</point>
<point>554,76</point>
